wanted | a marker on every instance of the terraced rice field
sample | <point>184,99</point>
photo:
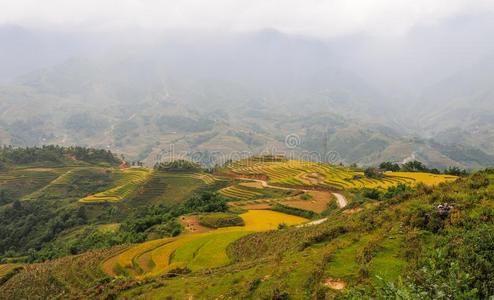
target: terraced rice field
<point>127,185</point>
<point>23,182</point>
<point>59,182</point>
<point>7,268</point>
<point>206,178</point>
<point>194,251</point>
<point>169,187</point>
<point>65,276</point>
<point>237,192</point>
<point>304,173</point>
<point>425,178</point>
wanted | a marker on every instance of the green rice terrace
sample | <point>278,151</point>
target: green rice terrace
<point>80,224</point>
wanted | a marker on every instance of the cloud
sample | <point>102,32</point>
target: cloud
<point>322,18</point>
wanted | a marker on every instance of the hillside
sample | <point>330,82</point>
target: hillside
<point>264,227</point>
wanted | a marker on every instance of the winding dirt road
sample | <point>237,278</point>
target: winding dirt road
<point>340,199</point>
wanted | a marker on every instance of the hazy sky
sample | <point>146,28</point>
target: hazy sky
<point>317,18</point>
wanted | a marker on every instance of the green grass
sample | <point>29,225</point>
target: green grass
<point>389,262</point>
<point>343,262</point>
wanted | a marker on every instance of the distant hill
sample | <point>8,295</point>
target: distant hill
<point>235,95</point>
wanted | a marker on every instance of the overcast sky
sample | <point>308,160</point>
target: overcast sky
<point>318,18</point>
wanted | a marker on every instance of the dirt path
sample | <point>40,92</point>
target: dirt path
<point>340,199</point>
<point>316,222</point>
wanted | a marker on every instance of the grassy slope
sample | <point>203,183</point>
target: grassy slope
<point>354,247</point>
<point>195,251</point>
<point>371,243</point>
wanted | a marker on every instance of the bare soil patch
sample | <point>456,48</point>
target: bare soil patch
<point>191,224</point>
<point>334,284</point>
<point>318,203</point>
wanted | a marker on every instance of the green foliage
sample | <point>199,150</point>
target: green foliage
<point>389,193</point>
<point>206,202</point>
<point>373,173</point>
<point>456,171</point>
<point>56,155</point>
<point>478,181</point>
<point>293,211</point>
<point>373,194</point>
<point>389,166</point>
<point>282,226</point>
<point>217,220</point>
<point>29,225</point>
<point>394,191</point>
<point>457,266</point>
<point>414,166</point>
<point>178,165</point>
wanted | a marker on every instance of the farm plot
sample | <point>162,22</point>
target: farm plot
<point>194,251</point>
<point>5,269</point>
<point>22,182</point>
<point>425,178</point>
<point>239,193</point>
<point>317,201</point>
<point>304,173</point>
<point>168,187</point>
<point>76,183</point>
<point>68,277</point>
<point>126,187</point>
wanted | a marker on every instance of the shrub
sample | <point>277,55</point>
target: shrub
<point>371,193</point>
<point>217,220</point>
<point>389,166</point>
<point>178,165</point>
<point>293,211</point>
<point>373,173</point>
<point>478,181</point>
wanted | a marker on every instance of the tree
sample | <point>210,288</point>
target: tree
<point>456,171</point>
<point>373,173</point>
<point>389,166</point>
<point>414,166</point>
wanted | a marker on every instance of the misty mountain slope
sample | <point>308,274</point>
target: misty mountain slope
<point>190,97</point>
<point>460,109</point>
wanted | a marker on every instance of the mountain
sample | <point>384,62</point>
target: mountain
<point>208,97</point>
<point>460,109</point>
